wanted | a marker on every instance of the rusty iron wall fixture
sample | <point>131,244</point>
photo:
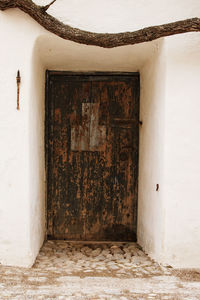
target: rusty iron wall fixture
<point>18,78</point>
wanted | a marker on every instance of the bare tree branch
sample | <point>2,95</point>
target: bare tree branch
<point>106,40</point>
<point>44,8</point>
<point>5,4</point>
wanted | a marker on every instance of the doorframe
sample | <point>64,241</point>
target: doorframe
<point>82,73</point>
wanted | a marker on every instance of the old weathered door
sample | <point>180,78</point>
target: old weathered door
<point>92,155</point>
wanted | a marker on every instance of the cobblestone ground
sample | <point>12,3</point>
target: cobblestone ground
<point>69,270</point>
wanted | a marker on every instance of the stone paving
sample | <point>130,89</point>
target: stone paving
<point>72,270</point>
<point>100,259</point>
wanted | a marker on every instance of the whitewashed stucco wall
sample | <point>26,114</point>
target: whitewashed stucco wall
<point>151,153</point>
<point>18,34</point>
<point>119,15</point>
<point>182,149</point>
<point>168,220</point>
<point>165,90</point>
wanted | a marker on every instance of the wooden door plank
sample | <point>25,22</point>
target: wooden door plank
<point>92,157</point>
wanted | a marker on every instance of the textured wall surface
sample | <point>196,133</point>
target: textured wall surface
<point>168,223</point>
<point>182,148</point>
<point>151,157</point>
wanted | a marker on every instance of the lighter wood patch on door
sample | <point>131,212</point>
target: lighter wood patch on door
<point>89,136</point>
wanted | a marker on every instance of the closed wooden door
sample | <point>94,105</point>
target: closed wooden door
<point>92,156</point>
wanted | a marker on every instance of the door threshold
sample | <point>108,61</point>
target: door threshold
<point>93,242</point>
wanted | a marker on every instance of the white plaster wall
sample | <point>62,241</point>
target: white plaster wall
<point>151,153</point>
<point>182,152</point>
<point>168,220</point>
<point>36,151</point>
<point>58,54</point>
<point>26,46</point>
<point>17,170</point>
<point>120,15</point>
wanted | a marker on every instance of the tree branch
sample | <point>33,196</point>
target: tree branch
<point>5,4</point>
<point>106,40</point>
<point>44,8</point>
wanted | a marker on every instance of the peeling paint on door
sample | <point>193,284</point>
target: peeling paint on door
<point>92,156</point>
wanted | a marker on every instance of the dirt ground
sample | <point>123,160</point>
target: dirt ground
<point>72,270</point>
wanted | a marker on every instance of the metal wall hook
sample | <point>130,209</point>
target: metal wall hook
<point>18,78</point>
